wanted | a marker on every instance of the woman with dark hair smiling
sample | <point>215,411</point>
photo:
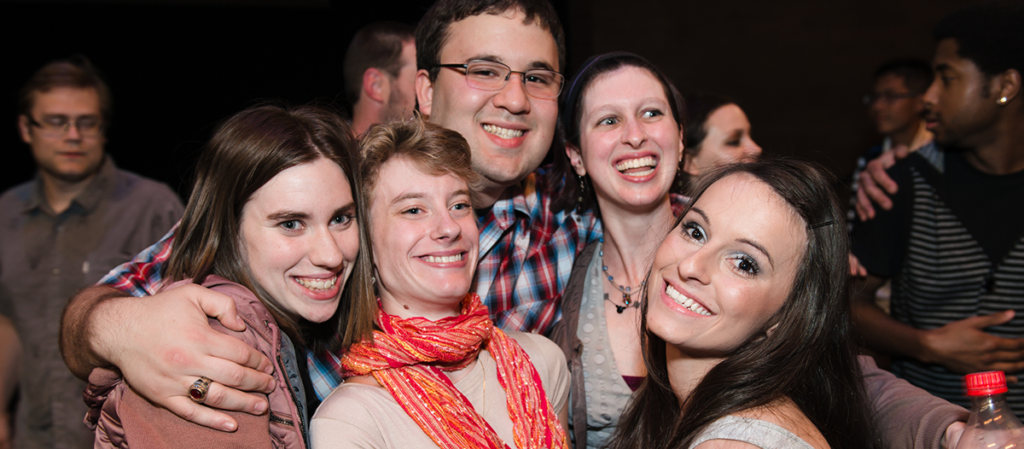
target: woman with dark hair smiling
<point>747,321</point>
<point>623,122</point>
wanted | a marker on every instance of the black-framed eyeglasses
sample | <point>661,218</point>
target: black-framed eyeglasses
<point>887,97</point>
<point>491,75</point>
<point>59,125</point>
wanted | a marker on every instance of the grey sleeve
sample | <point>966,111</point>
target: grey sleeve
<point>166,211</point>
<point>906,416</point>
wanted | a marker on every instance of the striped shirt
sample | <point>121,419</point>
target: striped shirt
<point>940,272</point>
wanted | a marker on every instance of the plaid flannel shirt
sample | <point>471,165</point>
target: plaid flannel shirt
<point>142,275</point>
<point>526,256</point>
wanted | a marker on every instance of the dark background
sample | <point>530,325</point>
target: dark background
<point>799,68</point>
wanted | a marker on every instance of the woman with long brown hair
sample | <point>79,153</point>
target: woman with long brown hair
<point>746,318</point>
<point>275,223</point>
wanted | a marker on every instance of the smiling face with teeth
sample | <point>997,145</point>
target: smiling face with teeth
<point>424,238</point>
<point>630,144</point>
<point>726,269</point>
<point>509,132</point>
<point>300,238</point>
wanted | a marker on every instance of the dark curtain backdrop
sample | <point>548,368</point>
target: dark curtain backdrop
<point>799,68</point>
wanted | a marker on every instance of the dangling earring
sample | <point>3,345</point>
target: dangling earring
<point>373,281</point>
<point>582,195</point>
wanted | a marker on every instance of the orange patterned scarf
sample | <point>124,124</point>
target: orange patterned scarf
<point>409,358</point>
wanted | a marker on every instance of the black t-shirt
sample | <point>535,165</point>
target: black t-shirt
<point>990,207</point>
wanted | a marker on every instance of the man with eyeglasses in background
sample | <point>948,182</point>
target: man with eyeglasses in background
<point>896,107</point>
<point>63,230</point>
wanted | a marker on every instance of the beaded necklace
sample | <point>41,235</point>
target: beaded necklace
<point>627,291</point>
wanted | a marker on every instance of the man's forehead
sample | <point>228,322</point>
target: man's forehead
<point>504,37</point>
<point>890,80</point>
<point>947,55</point>
<point>65,96</point>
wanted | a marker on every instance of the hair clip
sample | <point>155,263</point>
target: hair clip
<point>822,224</point>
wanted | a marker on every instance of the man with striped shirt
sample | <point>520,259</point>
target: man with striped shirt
<point>953,240</point>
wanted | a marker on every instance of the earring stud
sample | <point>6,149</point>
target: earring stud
<point>1003,100</point>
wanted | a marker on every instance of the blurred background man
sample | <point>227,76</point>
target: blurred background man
<point>62,231</point>
<point>380,74</point>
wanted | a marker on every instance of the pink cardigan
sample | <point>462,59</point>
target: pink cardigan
<point>122,418</point>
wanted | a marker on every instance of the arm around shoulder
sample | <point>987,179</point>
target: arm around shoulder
<point>163,343</point>
<point>75,336</point>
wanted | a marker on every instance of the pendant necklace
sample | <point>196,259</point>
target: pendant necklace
<point>627,291</point>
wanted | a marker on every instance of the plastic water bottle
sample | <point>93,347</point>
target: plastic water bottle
<point>992,424</point>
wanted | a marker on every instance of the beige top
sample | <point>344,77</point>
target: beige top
<point>363,416</point>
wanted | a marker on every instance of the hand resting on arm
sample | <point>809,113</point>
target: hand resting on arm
<point>162,344</point>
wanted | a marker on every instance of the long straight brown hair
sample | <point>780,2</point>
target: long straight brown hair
<point>246,152</point>
<point>809,358</point>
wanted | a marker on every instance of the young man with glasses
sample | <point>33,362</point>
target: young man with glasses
<point>62,231</point>
<point>896,107</point>
<point>896,103</point>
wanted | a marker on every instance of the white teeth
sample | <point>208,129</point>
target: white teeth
<point>686,302</point>
<point>317,284</point>
<point>504,133</point>
<point>646,161</point>
<point>443,259</point>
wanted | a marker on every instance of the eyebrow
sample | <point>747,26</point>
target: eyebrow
<point>407,196</point>
<point>66,116</point>
<point>283,215</point>
<point>943,67</point>
<point>287,215</point>
<point>349,208</point>
<point>700,212</point>
<point>759,248</point>
<point>752,243</point>
<point>495,58</point>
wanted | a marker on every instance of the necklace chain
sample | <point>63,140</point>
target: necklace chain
<point>627,291</point>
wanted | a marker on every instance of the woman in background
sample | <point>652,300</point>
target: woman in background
<point>717,133</point>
